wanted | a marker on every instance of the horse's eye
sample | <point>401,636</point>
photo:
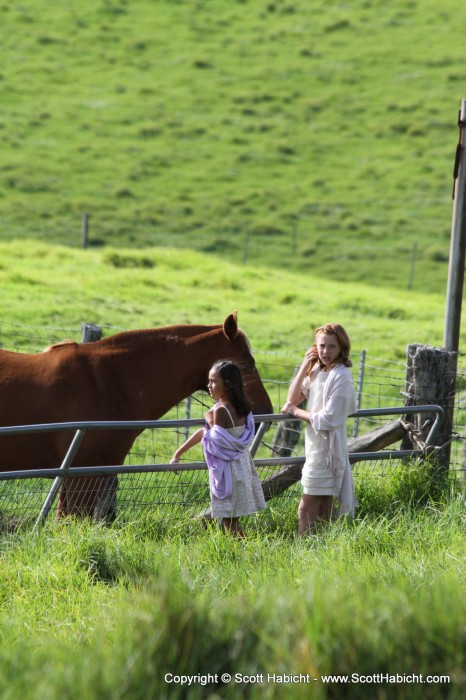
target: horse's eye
<point>248,366</point>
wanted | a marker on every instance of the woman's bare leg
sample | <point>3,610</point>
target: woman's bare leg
<point>325,510</point>
<point>313,509</point>
<point>308,512</point>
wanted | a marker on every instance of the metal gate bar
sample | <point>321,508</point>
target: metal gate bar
<point>265,420</point>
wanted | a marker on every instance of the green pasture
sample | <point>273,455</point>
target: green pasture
<point>277,133</point>
<point>292,160</point>
<point>56,287</point>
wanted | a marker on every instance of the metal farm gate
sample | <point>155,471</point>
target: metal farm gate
<point>26,497</point>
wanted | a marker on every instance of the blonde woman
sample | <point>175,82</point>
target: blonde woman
<point>325,380</point>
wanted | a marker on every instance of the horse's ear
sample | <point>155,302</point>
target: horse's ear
<point>230,326</point>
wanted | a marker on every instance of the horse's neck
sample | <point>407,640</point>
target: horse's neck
<point>168,368</point>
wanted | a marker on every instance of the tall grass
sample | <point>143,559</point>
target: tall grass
<point>97,612</point>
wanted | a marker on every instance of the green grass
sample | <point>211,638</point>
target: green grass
<point>305,135</point>
<point>100,612</point>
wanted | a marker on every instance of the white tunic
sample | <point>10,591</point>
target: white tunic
<point>317,479</point>
<point>338,402</point>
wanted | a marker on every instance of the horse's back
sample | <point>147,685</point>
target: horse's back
<point>38,387</point>
<point>56,386</point>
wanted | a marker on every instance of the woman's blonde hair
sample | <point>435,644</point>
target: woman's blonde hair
<point>342,339</point>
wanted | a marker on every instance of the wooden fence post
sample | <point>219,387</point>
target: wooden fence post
<point>430,379</point>
<point>85,231</point>
<point>246,246</point>
<point>287,433</point>
<point>105,507</point>
<point>90,333</point>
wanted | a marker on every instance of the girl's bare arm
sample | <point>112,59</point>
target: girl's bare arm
<point>195,439</point>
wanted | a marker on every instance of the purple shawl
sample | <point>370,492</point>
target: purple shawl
<point>220,449</point>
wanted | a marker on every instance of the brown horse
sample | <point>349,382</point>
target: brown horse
<point>133,375</point>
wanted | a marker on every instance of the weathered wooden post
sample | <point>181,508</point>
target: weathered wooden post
<point>246,246</point>
<point>85,231</point>
<point>430,379</point>
<point>412,267</point>
<point>294,238</point>
<point>105,507</point>
<point>90,333</point>
<point>287,436</point>
<point>287,433</point>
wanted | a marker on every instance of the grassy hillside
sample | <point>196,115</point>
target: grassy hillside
<point>311,135</point>
<point>58,287</point>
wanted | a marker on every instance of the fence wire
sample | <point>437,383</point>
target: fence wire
<point>379,383</point>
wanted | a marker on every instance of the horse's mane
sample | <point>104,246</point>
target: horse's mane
<point>149,334</point>
<point>246,339</point>
<point>180,331</point>
<point>61,344</point>
<point>177,331</point>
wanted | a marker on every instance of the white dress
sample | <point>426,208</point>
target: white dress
<point>317,479</point>
<point>247,496</point>
<point>330,422</point>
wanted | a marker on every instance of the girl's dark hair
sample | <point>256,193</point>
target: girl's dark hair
<point>230,373</point>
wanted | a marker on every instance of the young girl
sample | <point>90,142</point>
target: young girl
<point>325,380</point>
<point>235,488</point>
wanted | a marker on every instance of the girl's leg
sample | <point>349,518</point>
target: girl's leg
<point>308,512</point>
<point>313,509</point>
<point>233,527</point>
<point>325,509</point>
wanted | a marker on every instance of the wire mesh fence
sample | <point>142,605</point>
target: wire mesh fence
<point>379,384</point>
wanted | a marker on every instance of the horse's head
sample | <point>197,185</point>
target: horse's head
<point>234,345</point>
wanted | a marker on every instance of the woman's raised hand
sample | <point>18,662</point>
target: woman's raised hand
<point>311,355</point>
